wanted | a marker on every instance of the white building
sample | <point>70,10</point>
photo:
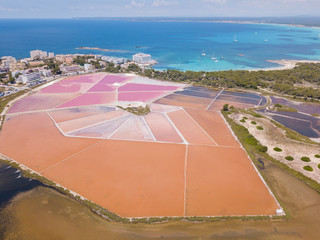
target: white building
<point>45,72</point>
<point>142,58</point>
<point>70,69</point>
<point>29,77</point>
<point>38,54</point>
<point>50,55</point>
<point>7,61</point>
<point>88,67</point>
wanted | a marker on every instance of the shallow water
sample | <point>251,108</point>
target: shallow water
<point>175,45</point>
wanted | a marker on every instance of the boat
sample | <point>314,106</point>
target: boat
<point>216,61</point>
<point>235,38</point>
<point>221,57</point>
<point>213,57</point>
<point>203,53</point>
<point>266,40</point>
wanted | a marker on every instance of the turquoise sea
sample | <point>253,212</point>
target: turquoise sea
<point>175,45</point>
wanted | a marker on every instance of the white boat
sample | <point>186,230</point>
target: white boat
<point>203,53</point>
<point>266,40</point>
<point>216,61</point>
<point>213,57</point>
<point>235,38</point>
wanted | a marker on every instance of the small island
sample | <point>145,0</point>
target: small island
<point>101,49</point>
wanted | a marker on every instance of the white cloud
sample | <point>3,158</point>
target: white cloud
<point>4,9</point>
<point>135,4</point>
<point>215,1</point>
<point>159,3</point>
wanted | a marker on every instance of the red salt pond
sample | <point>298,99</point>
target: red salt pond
<point>111,79</point>
<point>62,115</point>
<point>217,105</point>
<point>33,140</point>
<point>41,101</point>
<point>63,87</point>
<point>91,78</point>
<point>184,101</point>
<point>190,130</point>
<point>133,129</point>
<point>132,179</point>
<point>84,122</point>
<point>139,96</point>
<point>102,87</point>
<point>90,99</point>
<point>162,129</point>
<point>222,182</point>
<point>146,87</point>
<point>214,125</point>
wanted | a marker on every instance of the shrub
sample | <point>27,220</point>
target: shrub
<point>225,107</point>
<point>308,168</point>
<point>319,166</point>
<point>289,158</point>
<point>305,159</point>
<point>259,127</point>
<point>251,140</point>
<point>262,148</point>
<point>245,118</point>
<point>278,105</point>
<point>253,122</point>
<point>257,115</point>
<point>242,120</point>
<point>277,149</point>
<point>317,155</point>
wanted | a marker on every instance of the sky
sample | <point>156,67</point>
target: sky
<point>156,8</point>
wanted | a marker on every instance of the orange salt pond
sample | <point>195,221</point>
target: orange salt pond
<point>222,182</point>
<point>132,179</point>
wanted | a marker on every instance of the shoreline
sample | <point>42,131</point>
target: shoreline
<point>101,49</point>
<point>284,64</point>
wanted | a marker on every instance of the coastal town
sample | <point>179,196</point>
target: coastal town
<point>42,66</point>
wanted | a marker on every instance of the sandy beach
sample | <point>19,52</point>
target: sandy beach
<point>284,64</point>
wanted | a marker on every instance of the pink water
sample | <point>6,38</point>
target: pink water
<point>110,79</point>
<point>146,87</point>
<point>90,99</point>
<point>139,96</point>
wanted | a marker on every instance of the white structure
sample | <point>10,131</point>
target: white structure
<point>38,54</point>
<point>88,67</point>
<point>51,55</point>
<point>29,77</point>
<point>7,61</point>
<point>45,72</point>
<point>142,58</point>
<point>70,69</point>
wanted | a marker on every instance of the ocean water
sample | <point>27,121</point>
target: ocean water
<point>175,45</point>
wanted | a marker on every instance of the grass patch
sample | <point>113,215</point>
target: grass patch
<point>245,118</point>
<point>305,159</point>
<point>277,149</point>
<point>140,111</point>
<point>259,127</point>
<point>317,155</point>
<point>319,166</point>
<point>315,115</point>
<point>289,158</point>
<point>242,120</point>
<point>257,115</point>
<point>282,108</point>
<point>253,122</point>
<point>308,168</point>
